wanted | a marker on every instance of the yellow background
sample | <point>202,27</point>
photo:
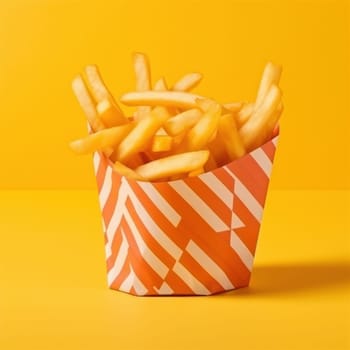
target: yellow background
<point>44,43</point>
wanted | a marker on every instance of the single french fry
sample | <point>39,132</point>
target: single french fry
<point>173,165</point>
<point>199,135</point>
<point>258,128</point>
<point>143,80</point>
<point>211,163</point>
<point>86,103</point>
<point>160,85</point>
<point>179,99</point>
<point>183,121</point>
<point>101,93</point>
<point>233,106</point>
<point>142,72</point>
<point>161,143</point>
<point>109,114</point>
<point>101,140</point>
<point>123,170</point>
<point>205,103</point>
<point>228,132</point>
<point>187,82</point>
<point>271,75</point>
<point>196,172</point>
<point>141,134</point>
<point>96,84</point>
<point>244,114</point>
<point>218,151</point>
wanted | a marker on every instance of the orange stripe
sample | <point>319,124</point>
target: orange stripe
<point>101,171</point>
<point>216,245</point>
<point>177,284</point>
<point>269,148</point>
<point>155,213</point>
<point>109,207</point>
<point>133,291</point>
<point>156,248</point>
<point>200,273</point>
<point>115,246</point>
<point>253,178</point>
<point>249,233</point>
<point>150,277</point>
<point>124,273</point>
<point>216,204</point>
<point>225,178</point>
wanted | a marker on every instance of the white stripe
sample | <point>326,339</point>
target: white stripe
<point>242,251</point>
<point>139,287</point>
<point>155,231</point>
<point>209,265</point>
<point>192,282</point>
<point>247,198</point>
<point>119,262</point>
<point>127,283</point>
<point>96,160</point>
<point>236,222</point>
<point>106,187</point>
<point>117,214</point>
<point>146,253</point>
<point>275,141</point>
<point>164,289</point>
<point>218,188</point>
<point>207,214</point>
<point>263,160</point>
<point>160,202</point>
<point>108,251</point>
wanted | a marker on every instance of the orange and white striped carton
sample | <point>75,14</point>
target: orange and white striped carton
<point>194,236</point>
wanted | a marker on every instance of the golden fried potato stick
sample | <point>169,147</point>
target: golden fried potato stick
<point>187,82</point>
<point>141,134</point>
<point>233,106</point>
<point>160,85</point>
<point>179,99</point>
<point>271,75</point>
<point>101,140</point>
<point>143,80</point>
<point>161,143</point>
<point>109,114</point>
<point>173,165</point>
<point>244,114</point>
<point>101,93</point>
<point>96,84</point>
<point>211,164</point>
<point>196,172</point>
<point>218,151</point>
<point>182,121</point>
<point>198,136</point>
<point>123,170</point>
<point>228,133</point>
<point>258,128</point>
<point>142,72</point>
<point>205,103</point>
<point>86,103</point>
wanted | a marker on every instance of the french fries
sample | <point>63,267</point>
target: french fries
<point>187,82</point>
<point>173,133</point>
<point>173,165</point>
<point>182,122</point>
<point>101,140</point>
<point>160,98</point>
<point>140,135</point>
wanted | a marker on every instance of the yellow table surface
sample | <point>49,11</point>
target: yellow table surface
<point>53,291</point>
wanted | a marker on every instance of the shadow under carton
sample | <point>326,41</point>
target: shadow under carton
<point>194,236</point>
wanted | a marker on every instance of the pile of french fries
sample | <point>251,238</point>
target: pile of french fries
<point>173,133</point>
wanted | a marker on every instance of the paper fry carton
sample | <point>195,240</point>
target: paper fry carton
<point>195,236</point>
